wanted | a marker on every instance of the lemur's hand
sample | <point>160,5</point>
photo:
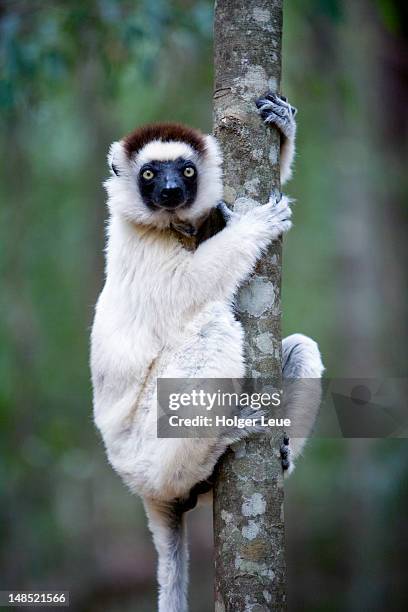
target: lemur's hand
<point>276,214</point>
<point>276,110</point>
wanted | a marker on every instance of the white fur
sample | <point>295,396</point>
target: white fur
<point>166,312</point>
<point>165,151</point>
<point>157,299</point>
<point>287,156</point>
<point>302,370</point>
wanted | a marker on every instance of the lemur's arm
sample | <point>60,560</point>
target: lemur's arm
<point>276,110</point>
<point>221,263</point>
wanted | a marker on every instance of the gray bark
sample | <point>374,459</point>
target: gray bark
<point>248,492</point>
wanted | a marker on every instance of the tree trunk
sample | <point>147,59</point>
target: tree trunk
<point>248,492</point>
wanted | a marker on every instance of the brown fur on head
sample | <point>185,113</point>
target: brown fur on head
<point>166,132</point>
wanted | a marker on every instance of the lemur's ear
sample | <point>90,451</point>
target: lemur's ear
<point>114,156</point>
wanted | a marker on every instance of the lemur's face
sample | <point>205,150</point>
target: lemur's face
<point>164,173</point>
<point>168,185</point>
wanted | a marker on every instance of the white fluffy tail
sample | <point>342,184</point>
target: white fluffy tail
<point>167,524</point>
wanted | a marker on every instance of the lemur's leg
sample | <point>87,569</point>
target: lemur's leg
<point>302,370</point>
<point>276,110</point>
<point>212,349</point>
<point>167,524</point>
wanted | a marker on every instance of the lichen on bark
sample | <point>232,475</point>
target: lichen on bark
<point>248,492</point>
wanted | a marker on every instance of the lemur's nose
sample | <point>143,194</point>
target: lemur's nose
<point>171,195</point>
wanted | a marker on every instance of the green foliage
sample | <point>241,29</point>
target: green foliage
<point>315,9</point>
<point>41,46</point>
<point>391,13</point>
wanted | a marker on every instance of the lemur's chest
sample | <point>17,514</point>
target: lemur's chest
<point>155,277</point>
<point>145,293</point>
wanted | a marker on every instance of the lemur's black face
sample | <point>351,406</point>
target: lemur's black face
<point>168,184</point>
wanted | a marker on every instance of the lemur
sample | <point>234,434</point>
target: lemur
<point>158,300</point>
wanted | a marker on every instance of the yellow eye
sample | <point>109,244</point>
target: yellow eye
<point>189,171</point>
<point>148,175</point>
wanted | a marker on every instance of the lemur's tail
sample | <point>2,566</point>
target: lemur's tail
<point>167,524</point>
<point>302,369</point>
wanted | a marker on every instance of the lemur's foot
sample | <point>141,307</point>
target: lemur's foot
<point>276,110</point>
<point>285,453</point>
<point>254,425</point>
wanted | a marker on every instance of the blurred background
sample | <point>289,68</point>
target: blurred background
<point>77,75</point>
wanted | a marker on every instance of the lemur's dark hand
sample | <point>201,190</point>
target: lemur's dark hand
<point>276,110</point>
<point>226,213</point>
